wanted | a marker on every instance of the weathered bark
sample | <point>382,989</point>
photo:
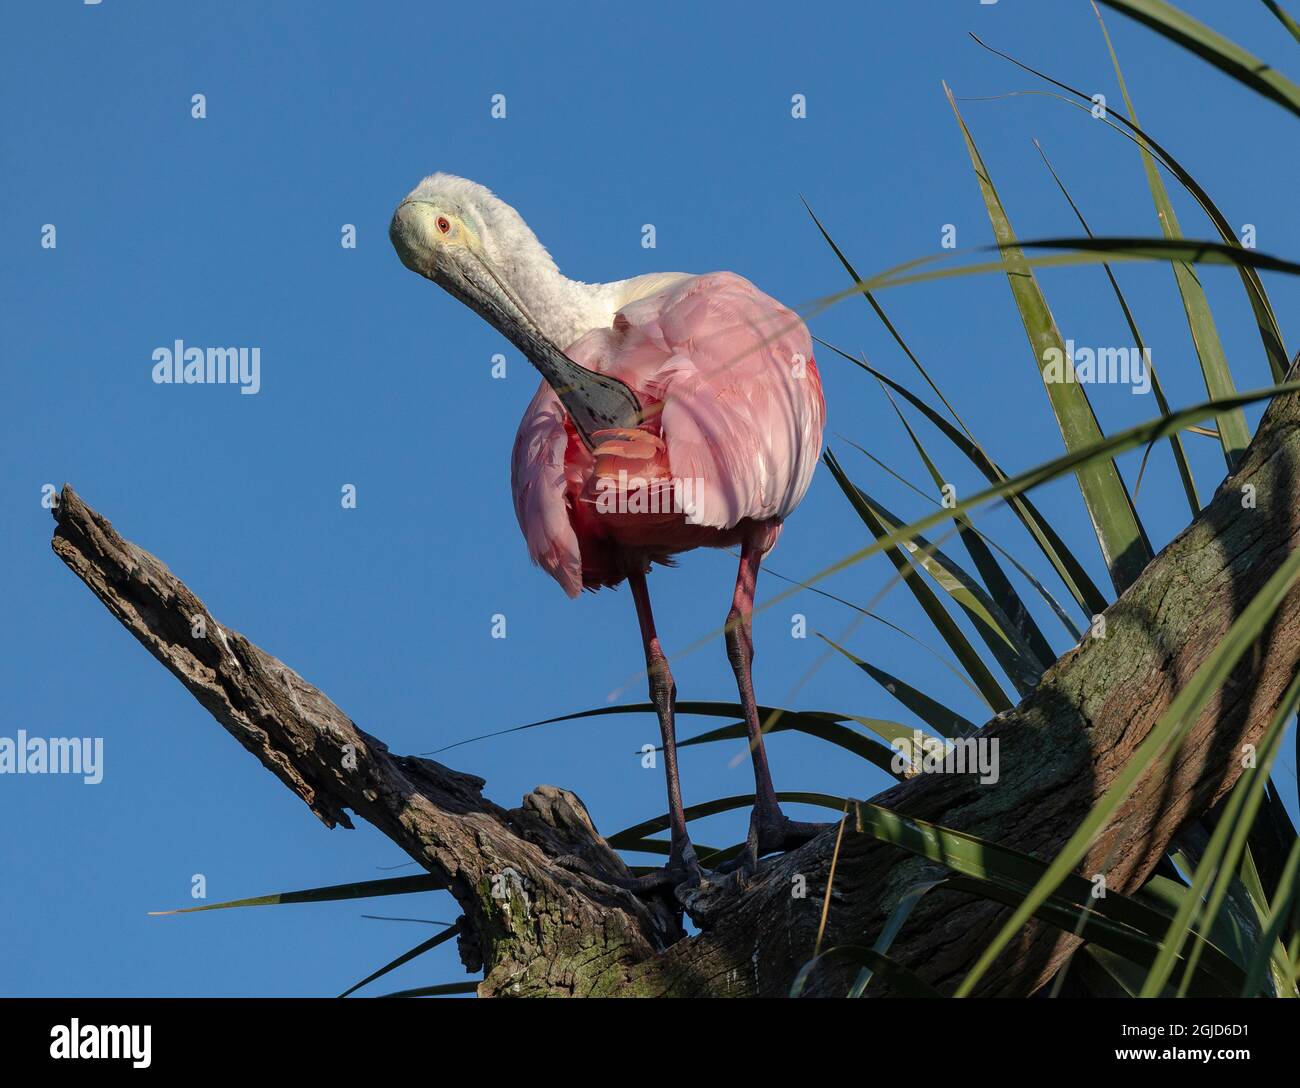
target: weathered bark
<point>536,924</point>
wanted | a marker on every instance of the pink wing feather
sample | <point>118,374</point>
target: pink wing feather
<point>539,481</point>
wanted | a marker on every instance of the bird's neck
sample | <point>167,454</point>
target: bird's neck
<point>563,309</point>
<point>566,309</point>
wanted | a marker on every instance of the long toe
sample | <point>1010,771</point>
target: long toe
<point>769,833</point>
<point>682,868</point>
<point>745,862</point>
<point>779,833</point>
<point>797,832</point>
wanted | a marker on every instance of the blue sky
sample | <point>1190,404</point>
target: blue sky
<point>226,231</point>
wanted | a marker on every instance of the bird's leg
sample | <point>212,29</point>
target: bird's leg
<point>682,864</point>
<point>769,828</point>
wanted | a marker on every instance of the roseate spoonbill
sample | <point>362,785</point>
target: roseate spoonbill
<point>676,411</point>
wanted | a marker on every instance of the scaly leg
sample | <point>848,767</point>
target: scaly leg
<point>682,864</point>
<point>769,828</point>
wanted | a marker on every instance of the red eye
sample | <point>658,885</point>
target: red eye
<point>443,225</point>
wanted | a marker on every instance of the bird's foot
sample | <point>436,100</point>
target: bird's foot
<point>682,869</point>
<point>771,831</point>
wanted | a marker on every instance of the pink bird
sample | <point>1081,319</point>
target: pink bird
<point>675,412</point>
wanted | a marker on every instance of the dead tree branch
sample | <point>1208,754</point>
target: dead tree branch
<point>535,925</point>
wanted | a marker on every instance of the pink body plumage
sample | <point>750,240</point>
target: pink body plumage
<point>732,432</point>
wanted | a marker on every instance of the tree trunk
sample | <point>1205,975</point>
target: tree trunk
<point>536,923</point>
